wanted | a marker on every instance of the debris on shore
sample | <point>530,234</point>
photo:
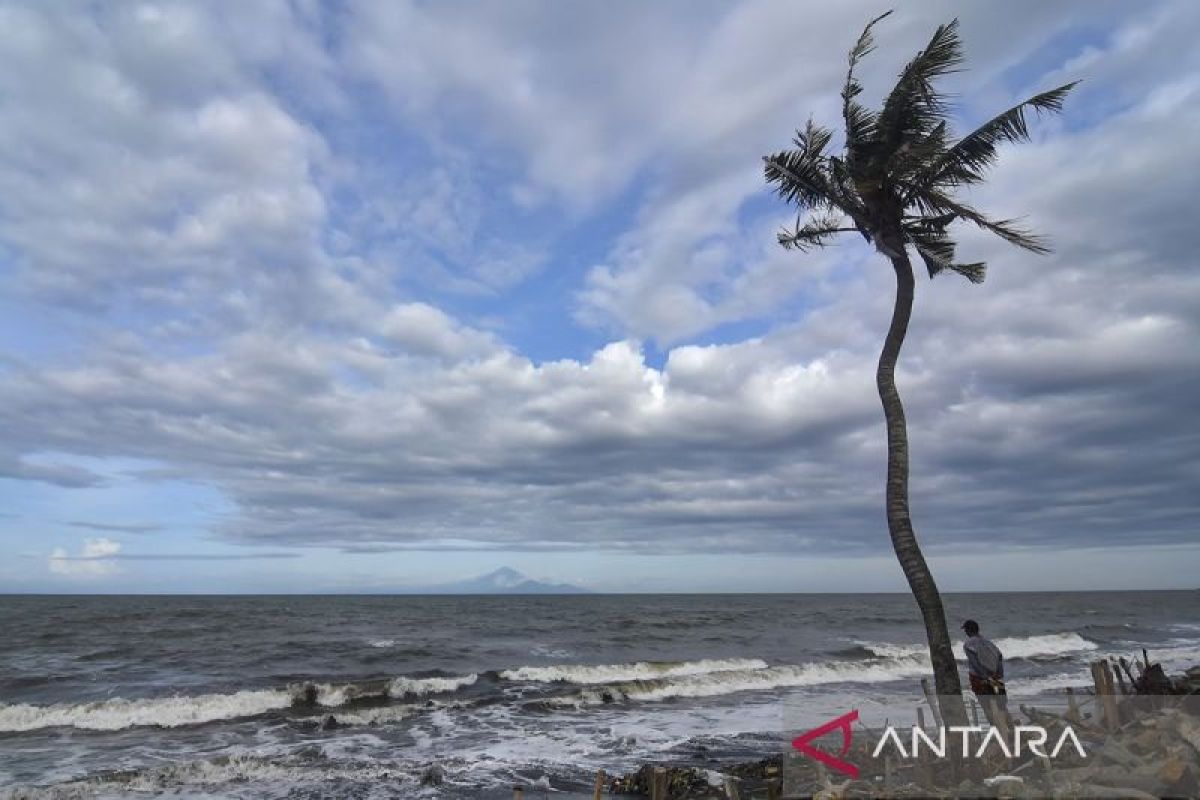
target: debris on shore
<point>1142,740</point>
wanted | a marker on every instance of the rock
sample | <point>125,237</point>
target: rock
<point>1147,741</point>
<point>1108,792</point>
<point>330,723</point>
<point>1116,753</point>
<point>435,775</point>
<point>1006,785</point>
<point>1179,777</point>
<point>1189,729</point>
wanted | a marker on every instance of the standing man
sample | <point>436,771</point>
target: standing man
<point>985,668</point>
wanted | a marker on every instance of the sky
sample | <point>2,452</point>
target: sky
<point>308,297</point>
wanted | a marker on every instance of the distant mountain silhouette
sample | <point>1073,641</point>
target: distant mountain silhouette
<point>505,580</point>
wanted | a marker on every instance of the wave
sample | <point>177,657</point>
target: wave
<point>1043,647</point>
<point>419,687</point>
<point>180,710</point>
<point>717,683</point>
<point>640,670</point>
<point>163,712</point>
<point>263,773</point>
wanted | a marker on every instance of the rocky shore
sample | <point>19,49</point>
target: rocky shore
<point>1141,743</point>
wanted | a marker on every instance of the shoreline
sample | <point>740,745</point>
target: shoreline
<point>1142,743</point>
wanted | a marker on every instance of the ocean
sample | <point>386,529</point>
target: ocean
<point>457,696</point>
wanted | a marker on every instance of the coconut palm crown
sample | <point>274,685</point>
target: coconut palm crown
<point>894,183</point>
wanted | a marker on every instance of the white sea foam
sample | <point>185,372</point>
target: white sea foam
<point>713,684</point>
<point>265,776</point>
<point>164,712</point>
<point>332,695</point>
<point>1047,646</point>
<point>381,643</point>
<point>1050,645</point>
<point>640,670</point>
<point>401,687</point>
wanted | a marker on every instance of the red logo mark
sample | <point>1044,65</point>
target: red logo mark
<point>801,743</point>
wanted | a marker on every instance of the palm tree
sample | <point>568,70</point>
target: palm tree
<point>895,184</point>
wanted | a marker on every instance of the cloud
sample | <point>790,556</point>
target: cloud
<point>118,527</point>
<point>95,560</point>
<point>280,296</point>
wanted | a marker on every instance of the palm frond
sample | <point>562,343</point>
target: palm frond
<point>933,202</point>
<point>799,175</point>
<point>937,250</point>
<point>966,161</point>
<point>914,108</point>
<point>860,121</point>
<point>815,233</point>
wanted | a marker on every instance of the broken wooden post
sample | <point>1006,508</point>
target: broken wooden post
<point>774,789</point>
<point>933,702</point>
<point>731,788</point>
<point>1073,708</point>
<point>1111,714</point>
<point>1120,680</point>
<point>822,776</point>
<point>1098,688</point>
<point>518,793</point>
<point>658,784</point>
<point>599,790</point>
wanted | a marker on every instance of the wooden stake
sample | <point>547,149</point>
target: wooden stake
<point>1073,707</point>
<point>920,718</point>
<point>658,784</point>
<point>599,790</point>
<point>1098,688</point>
<point>1110,697</point>
<point>518,793</point>
<point>774,789</point>
<point>822,775</point>
<point>933,702</point>
<point>731,788</point>
<point>975,711</point>
<point>1120,680</point>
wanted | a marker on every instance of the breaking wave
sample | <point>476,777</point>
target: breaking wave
<point>639,670</point>
<point>1048,646</point>
<point>711,684</point>
<point>176,711</point>
<point>419,687</point>
<point>164,712</point>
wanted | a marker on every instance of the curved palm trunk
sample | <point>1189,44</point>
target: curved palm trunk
<point>904,540</point>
